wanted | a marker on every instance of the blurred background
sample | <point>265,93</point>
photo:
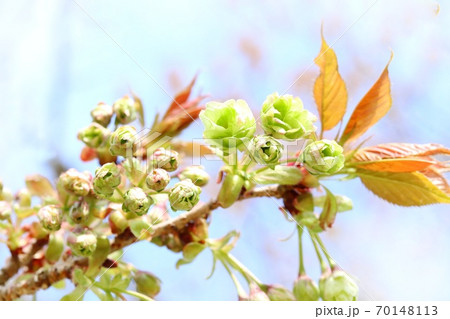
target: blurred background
<point>58,59</point>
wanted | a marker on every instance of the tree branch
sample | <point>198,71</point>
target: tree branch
<point>45,277</point>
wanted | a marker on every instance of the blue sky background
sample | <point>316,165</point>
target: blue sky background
<point>56,64</point>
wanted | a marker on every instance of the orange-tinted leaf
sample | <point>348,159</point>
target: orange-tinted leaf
<point>434,175</point>
<point>373,106</point>
<point>404,189</point>
<point>396,165</point>
<point>88,154</point>
<point>329,89</point>
<point>398,150</point>
<point>179,99</point>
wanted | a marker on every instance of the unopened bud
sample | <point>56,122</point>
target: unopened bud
<point>158,179</point>
<point>94,135</point>
<point>305,289</point>
<point>23,197</point>
<point>125,110</point>
<point>323,157</point>
<point>265,149</point>
<point>279,293</point>
<point>165,159</point>
<point>338,286</point>
<point>102,114</point>
<point>106,179</point>
<point>50,217</point>
<point>122,141</point>
<point>76,183</point>
<point>5,210</point>
<point>147,283</point>
<point>184,195</point>
<point>40,186</point>
<point>256,294</point>
<point>230,190</point>
<point>117,222</point>
<point>172,241</point>
<point>196,174</point>
<point>136,201</point>
<point>79,212</point>
<point>82,244</point>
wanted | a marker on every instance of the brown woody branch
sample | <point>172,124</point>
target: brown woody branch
<point>16,261</point>
<point>45,277</point>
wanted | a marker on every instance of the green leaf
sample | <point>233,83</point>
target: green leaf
<point>99,256</point>
<point>141,228</point>
<point>329,211</point>
<point>283,175</point>
<point>76,295</point>
<point>190,252</point>
<point>119,282</point>
<point>404,189</point>
<point>59,284</point>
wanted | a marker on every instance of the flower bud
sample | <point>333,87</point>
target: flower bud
<point>5,210</point>
<point>117,222</point>
<point>230,190</point>
<point>305,289</point>
<point>136,201</point>
<point>284,117</point>
<point>165,159</point>
<point>265,150</point>
<point>23,197</point>
<point>76,183</point>
<point>338,286</point>
<point>184,195</point>
<point>102,114</point>
<point>227,124</point>
<point>344,203</point>
<point>279,293</point>
<point>147,283</point>
<point>172,241</point>
<point>122,141</point>
<point>50,217</point>
<point>79,212</point>
<point>196,174</point>
<point>94,135</point>
<point>304,202</point>
<point>198,230</point>
<point>106,179</point>
<point>82,244</point>
<point>125,110</point>
<point>323,157</point>
<point>256,294</point>
<point>158,179</point>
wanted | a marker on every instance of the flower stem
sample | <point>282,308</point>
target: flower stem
<point>301,268</point>
<point>325,252</point>
<point>134,294</point>
<point>323,266</point>
<point>236,264</point>
<point>240,291</point>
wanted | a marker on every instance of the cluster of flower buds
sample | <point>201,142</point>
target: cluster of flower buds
<point>50,217</point>
<point>196,174</point>
<point>82,243</point>
<point>136,201</point>
<point>165,159</point>
<point>323,157</point>
<point>228,124</point>
<point>336,285</point>
<point>125,110</point>
<point>266,150</point>
<point>76,183</point>
<point>285,118</point>
<point>184,195</point>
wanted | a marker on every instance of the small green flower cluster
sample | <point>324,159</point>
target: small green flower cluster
<point>230,127</point>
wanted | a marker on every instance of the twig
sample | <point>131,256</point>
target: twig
<point>45,277</point>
